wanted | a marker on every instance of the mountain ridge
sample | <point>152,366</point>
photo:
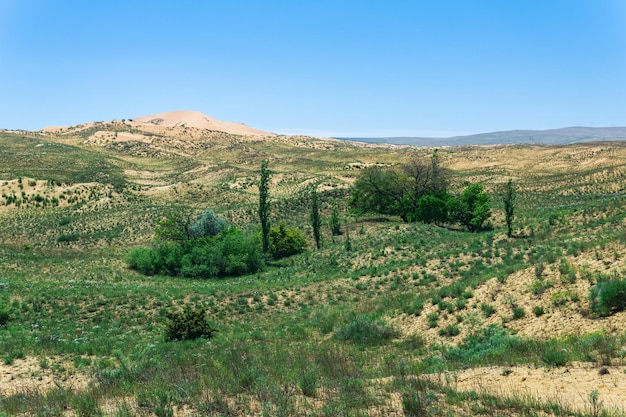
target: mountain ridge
<point>560,136</point>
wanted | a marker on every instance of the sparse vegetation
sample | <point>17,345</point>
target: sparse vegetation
<point>382,328</point>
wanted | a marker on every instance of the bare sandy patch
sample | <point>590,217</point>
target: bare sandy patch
<point>570,386</point>
<point>31,375</point>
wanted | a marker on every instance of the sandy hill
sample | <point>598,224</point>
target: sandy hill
<point>198,120</point>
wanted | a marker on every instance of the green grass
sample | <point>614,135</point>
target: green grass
<point>333,329</point>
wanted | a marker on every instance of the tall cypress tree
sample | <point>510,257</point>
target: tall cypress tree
<point>264,205</point>
<point>509,207</point>
<point>316,220</point>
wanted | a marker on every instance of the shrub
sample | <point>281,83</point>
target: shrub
<point>69,237</point>
<point>230,253</point>
<point>555,356</point>
<point>335,222</point>
<point>208,224</point>
<point>366,330</point>
<point>608,297</point>
<point>144,260</point>
<point>189,324</point>
<point>484,346</point>
<point>286,241</point>
<point>539,268</point>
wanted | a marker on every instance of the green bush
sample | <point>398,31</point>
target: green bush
<point>335,223</point>
<point>144,260</point>
<point>68,237</point>
<point>230,253</point>
<point>189,324</point>
<point>366,330</point>
<point>555,356</point>
<point>608,297</point>
<point>484,346</point>
<point>286,241</point>
<point>4,317</point>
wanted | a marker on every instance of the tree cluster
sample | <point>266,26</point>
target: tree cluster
<point>418,191</point>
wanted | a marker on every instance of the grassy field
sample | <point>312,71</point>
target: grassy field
<point>401,323</point>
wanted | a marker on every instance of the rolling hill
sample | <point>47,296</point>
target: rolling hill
<point>389,318</point>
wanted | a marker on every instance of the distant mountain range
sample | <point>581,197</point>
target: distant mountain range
<point>562,136</point>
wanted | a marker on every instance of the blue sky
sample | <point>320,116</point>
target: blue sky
<point>335,68</point>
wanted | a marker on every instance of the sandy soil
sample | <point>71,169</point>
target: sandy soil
<point>197,120</point>
<point>28,375</point>
<point>568,386</point>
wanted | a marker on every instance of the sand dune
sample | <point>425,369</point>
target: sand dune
<point>194,119</point>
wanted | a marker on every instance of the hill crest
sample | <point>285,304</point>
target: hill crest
<point>198,120</point>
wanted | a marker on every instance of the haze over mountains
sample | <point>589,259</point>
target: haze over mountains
<point>562,136</point>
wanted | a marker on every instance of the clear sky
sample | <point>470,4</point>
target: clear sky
<point>335,68</point>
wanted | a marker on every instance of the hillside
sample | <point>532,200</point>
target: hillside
<point>389,318</point>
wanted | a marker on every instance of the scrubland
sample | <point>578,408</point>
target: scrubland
<point>388,319</point>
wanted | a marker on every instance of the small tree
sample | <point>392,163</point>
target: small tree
<point>378,191</point>
<point>509,207</point>
<point>335,222</point>
<point>316,220</point>
<point>473,209</point>
<point>286,241</point>
<point>264,205</point>
<point>208,224</point>
<point>431,209</point>
<point>175,225</point>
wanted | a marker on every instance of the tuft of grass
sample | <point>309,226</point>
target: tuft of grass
<point>487,309</point>
<point>608,297</point>
<point>555,356</point>
<point>367,331</point>
<point>518,313</point>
